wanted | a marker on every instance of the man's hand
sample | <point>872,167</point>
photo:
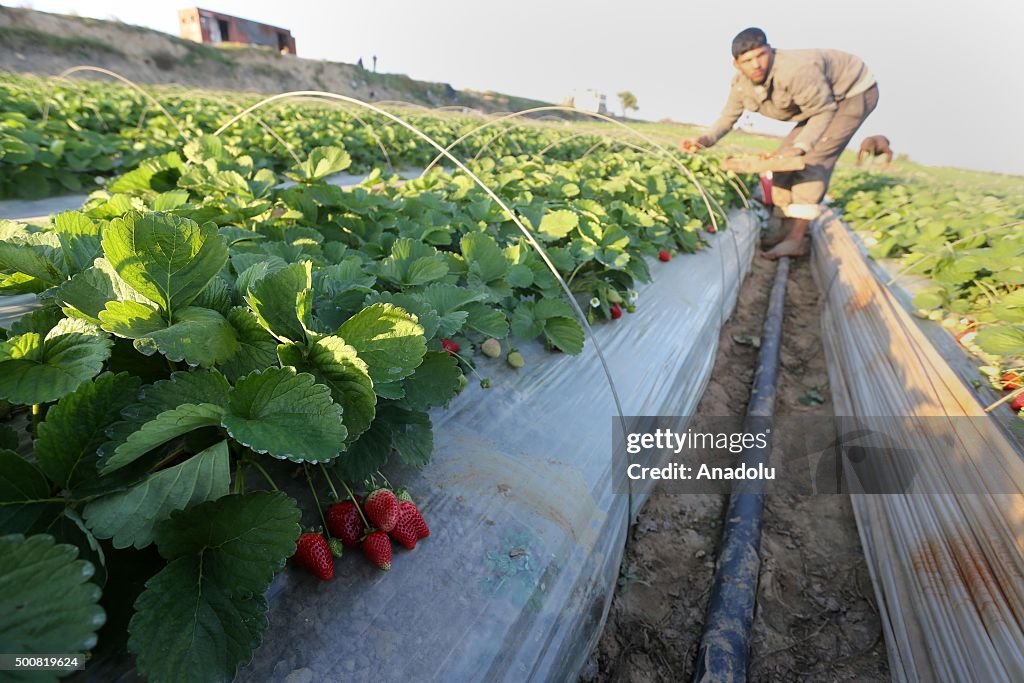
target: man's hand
<point>694,145</point>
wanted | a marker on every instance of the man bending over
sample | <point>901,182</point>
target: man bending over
<point>828,93</point>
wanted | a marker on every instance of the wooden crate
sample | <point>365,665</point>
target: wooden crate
<point>750,164</point>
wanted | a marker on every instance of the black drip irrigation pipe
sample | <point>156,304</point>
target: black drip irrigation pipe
<point>725,644</point>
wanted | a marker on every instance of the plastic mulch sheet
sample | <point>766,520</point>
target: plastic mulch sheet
<point>527,535</point>
<point>947,558</point>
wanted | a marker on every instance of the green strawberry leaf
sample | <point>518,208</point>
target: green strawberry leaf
<point>156,174</point>
<point>35,369</point>
<point>434,383</point>
<point>205,147</point>
<point>929,298</point>
<point>519,275</point>
<point>216,295</point>
<point>79,238</point>
<point>490,322</point>
<point>256,348</point>
<point>1010,308</point>
<point>40,321</point>
<point>33,268</point>
<point>198,336</point>
<point>551,308</point>
<point>203,477</point>
<point>565,333</point>
<point>166,258</point>
<point>524,323</point>
<point>203,615</point>
<point>388,339</point>
<point>165,427</point>
<point>338,366</point>
<point>365,455</point>
<point>85,294</point>
<point>411,434</point>
<point>73,430</point>
<point>412,263</point>
<point>282,301</point>
<point>557,224</point>
<point>70,528</point>
<point>267,410</point>
<point>25,496</point>
<point>416,304</point>
<point>1001,340</point>
<point>321,162</point>
<point>486,262</point>
<point>47,603</point>
<point>196,387</point>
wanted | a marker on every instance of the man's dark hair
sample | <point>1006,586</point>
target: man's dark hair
<point>748,39</point>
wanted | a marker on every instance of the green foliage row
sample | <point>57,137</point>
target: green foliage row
<point>199,313</point>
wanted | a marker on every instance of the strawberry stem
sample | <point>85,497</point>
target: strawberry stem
<point>330,483</point>
<point>266,476</point>
<point>386,482</point>
<point>240,477</point>
<point>469,365</point>
<point>37,417</point>
<point>353,496</point>
<point>316,499</point>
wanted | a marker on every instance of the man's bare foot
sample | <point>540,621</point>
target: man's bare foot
<point>770,239</point>
<point>787,248</point>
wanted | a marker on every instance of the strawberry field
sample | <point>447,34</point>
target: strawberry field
<point>309,386</point>
<point>228,346</point>
<point>963,246</point>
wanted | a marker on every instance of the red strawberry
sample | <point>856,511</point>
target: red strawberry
<point>664,255</point>
<point>616,311</point>
<point>711,228</point>
<point>1012,381</point>
<point>406,531</point>
<point>450,346</point>
<point>381,508</point>
<point>345,522</point>
<point>313,552</point>
<point>409,508</point>
<point>1017,404</point>
<point>377,548</point>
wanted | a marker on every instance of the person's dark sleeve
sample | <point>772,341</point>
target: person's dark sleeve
<point>731,113</point>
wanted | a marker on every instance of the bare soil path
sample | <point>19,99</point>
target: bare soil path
<point>816,618</point>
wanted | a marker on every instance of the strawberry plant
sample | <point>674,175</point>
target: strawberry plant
<point>966,242</point>
<point>197,315</point>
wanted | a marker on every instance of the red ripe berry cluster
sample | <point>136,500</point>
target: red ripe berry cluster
<point>371,524</point>
<point>1013,381</point>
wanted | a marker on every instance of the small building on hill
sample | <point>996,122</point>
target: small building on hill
<point>205,26</point>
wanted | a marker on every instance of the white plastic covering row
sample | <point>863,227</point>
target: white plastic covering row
<point>527,533</point>
<point>948,569</point>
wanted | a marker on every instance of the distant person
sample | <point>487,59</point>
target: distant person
<point>875,146</point>
<point>360,63</point>
<point>375,64</point>
<point>827,92</point>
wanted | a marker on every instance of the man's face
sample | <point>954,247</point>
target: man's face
<point>755,64</point>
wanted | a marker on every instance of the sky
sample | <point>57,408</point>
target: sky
<point>949,73</point>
